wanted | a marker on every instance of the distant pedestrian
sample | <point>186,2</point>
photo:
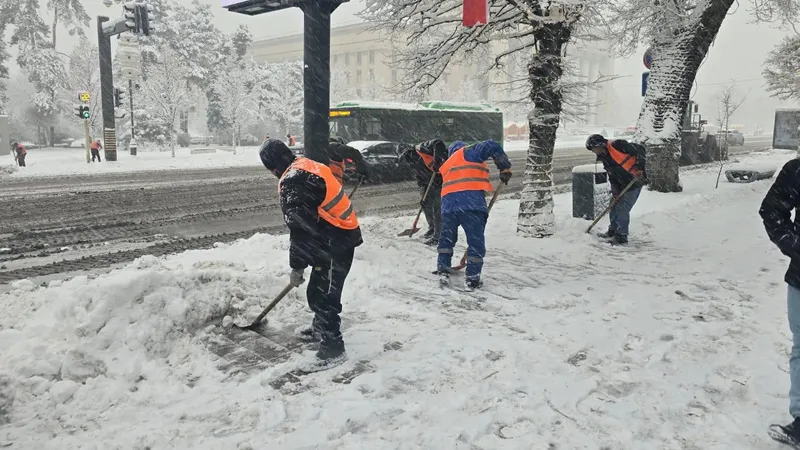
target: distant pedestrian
<point>625,163</point>
<point>20,152</point>
<point>291,140</point>
<point>96,147</point>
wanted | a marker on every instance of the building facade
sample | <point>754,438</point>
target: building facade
<point>361,69</point>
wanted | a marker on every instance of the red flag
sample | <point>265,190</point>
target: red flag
<point>476,12</point>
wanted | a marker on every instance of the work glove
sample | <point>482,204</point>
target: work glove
<point>296,277</point>
<point>505,176</point>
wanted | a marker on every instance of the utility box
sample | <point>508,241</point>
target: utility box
<point>591,192</point>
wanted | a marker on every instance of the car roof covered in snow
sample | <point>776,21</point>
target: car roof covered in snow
<point>363,145</point>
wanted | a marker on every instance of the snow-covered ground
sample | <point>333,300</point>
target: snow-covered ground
<point>676,342</point>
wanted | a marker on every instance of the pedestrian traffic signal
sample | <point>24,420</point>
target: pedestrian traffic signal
<point>138,17</point>
<point>84,97</point>
<point>82,112</point>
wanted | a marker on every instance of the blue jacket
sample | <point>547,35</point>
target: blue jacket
<point>478,153</point>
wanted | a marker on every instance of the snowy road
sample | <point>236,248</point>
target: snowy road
<point>678,342</point>
<point>76,223</point>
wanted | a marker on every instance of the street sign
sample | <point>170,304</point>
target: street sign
<point>475,12</point>
<point>645,76</point>
<point>84,97</point>
<point>647,58</point>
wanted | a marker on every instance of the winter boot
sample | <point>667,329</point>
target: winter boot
<point>432,241</point>
<point>444,277</point>
<point>619,239</point>
<point>428,234</point>
<point>474,283</point>
<point>788,434</point>
<point>607,235</point>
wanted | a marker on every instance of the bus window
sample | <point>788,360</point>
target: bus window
<point>373,128</point>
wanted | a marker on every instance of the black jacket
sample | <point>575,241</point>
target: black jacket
<point>776,211</point>
<point>340,152</point>
<point>422,173</point>
<point>312,239</point>
<point>617,175</point>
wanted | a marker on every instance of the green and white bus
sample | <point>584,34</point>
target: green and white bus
<point>417,122</point>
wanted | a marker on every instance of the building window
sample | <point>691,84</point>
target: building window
<point>371,74</point>
<point>348,79</point>
<point>358,76</point>
<point>335,59</point>
<point>372,56</point>
<point>358,58</point>
<point>446,78</point>
<point>394,76</point>
<point>347,59</point>
<point>358,93</point>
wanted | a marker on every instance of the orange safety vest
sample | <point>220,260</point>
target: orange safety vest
<point>292,141</point>
<point>624,160</point>
<point>337,167</point>
<point>336,209</point>
<point>427,159</point>
<point>458,175</point>
<point>95,145</point>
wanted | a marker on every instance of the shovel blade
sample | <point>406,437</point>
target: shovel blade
<point>408,232</point>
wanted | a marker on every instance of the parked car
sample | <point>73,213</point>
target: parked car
<point>735,137</point>
<point>383,160</point>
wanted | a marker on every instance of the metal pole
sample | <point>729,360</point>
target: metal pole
<point>107,91</point>
<point>133,128</point>
<point>316,79</point>
<point>88,139</point>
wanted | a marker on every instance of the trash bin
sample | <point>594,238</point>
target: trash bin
<point>133,147</point>
<point>591,192</point>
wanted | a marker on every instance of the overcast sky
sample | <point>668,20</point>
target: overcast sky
<point>737,55</point>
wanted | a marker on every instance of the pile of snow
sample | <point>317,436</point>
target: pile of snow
<point>678,341</point>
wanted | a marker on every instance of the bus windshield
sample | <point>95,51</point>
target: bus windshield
<point>343,127</point>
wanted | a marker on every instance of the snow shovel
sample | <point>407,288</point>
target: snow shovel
<point>410,232</point>
<point>463,262</point>
<point>611,205</point>
<point>355,189</point>
<point>266,310</point>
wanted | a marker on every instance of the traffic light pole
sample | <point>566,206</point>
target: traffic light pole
<point>88,139</point>
<point>107,91</point>
<point>133,128</point>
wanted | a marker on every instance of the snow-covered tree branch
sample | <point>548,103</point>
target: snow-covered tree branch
<point>236,96</point>
<point>282,94</point>
<point>782,69</point>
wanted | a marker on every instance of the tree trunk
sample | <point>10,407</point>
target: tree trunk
<point>536,218</point>
<point>676,60</point>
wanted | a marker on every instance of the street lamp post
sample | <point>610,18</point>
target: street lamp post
<point>317,70</point>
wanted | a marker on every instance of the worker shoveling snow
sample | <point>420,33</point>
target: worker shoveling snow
<point>676,341</point>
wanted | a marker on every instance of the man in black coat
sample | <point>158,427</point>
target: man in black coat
<point>425,160</point>
<point>776,212</point>
<point>625,162</point>
<point>323,234</point>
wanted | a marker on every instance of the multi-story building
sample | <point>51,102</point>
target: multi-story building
<point>361,69</point>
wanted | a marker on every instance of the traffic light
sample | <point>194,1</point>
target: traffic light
<point>82,112</point>
<point>138,17</point>
<point>120,95</point>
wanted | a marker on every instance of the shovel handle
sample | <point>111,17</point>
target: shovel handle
<point>424,197</point>
<point>274,302</point>
<point>611,205</point>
